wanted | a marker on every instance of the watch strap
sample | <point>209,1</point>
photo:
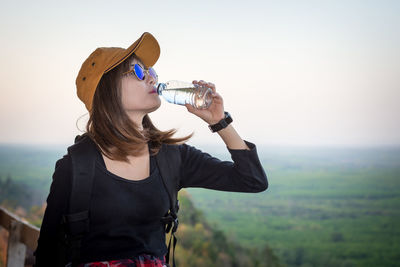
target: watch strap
<point>222,123</point>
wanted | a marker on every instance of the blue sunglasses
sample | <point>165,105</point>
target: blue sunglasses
<point>140,72</point>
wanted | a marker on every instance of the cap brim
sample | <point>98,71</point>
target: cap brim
<point>146,48</point>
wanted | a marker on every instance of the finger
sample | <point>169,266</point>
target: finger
<point>190,108</point>
<point>193,110</point>
<point>216,95</point>
<point>212,87</point>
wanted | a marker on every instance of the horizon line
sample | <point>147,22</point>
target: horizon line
<point>276,145</point>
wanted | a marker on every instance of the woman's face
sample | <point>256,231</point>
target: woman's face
<point>139,97</point>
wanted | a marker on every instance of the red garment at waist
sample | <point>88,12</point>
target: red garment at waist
<point>143,260</point>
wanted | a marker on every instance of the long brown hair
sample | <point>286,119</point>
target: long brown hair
<point>111,128</point>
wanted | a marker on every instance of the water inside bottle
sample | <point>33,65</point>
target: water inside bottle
<point>178,95</point>
<point>186,95</point>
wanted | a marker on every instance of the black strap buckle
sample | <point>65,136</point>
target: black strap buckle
<point>171,220</point>
<point>176,223</point>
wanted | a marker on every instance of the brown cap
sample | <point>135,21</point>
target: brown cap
<point>104,59</point>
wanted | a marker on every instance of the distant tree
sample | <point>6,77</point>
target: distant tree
<point>269,259</point>
<point>337,237</point>
<point>299,256</point>
<point>14,193</point>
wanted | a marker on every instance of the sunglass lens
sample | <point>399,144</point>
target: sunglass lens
<point>139,71</point>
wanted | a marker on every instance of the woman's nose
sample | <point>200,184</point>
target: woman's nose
<point>150,78</point>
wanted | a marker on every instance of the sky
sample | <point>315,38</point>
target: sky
<point>313,73</point>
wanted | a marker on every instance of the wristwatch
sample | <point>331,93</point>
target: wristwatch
<point>221,124</point>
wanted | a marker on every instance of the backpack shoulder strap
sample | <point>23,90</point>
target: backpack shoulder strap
<point>83,155</point>
<point>168,161</point>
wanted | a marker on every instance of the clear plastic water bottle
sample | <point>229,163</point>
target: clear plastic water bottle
<point>182,93</point>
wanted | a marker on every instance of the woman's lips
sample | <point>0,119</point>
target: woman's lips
<point>153,91</point>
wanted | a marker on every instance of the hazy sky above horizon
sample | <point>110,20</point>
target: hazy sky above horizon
<point>290,72</point>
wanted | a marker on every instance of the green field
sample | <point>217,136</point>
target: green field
<point>337,207</point>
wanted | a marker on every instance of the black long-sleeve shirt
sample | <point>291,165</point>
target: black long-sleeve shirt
<point>125,214</point>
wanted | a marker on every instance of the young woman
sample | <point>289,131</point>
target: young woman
<point>128,197</point>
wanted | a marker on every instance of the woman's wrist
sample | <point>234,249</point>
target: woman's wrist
<point>216,119</point>
<point>221,124</point>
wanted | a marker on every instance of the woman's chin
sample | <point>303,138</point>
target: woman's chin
<point>154,108</point>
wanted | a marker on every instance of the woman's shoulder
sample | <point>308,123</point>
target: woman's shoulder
<point>64,161</point>
<point>63,167</point>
